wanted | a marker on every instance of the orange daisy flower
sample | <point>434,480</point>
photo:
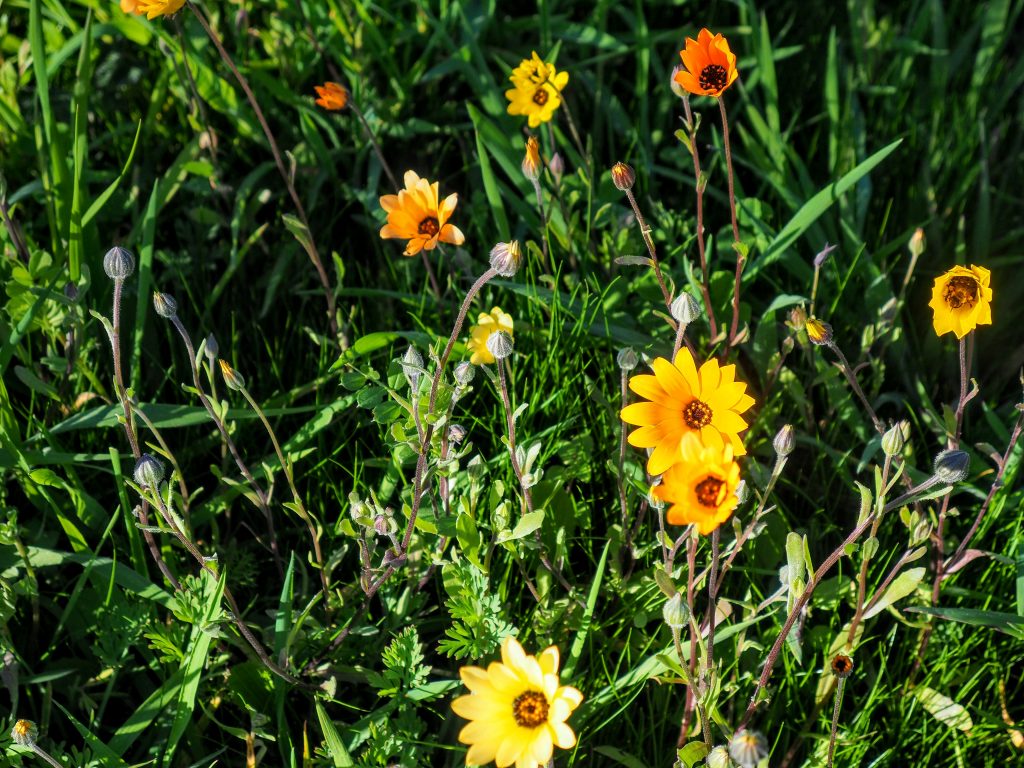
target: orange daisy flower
<point>701,488</point>
<point>684,400</point>
<point>417,214</point>
<point>710,65</point>
<point>331,96</point>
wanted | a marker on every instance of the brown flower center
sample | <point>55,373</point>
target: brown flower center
<point>842,666</point>
<point>708,490</point>
<point>713,77</point>
<point>961,293</point>
<point>530,709</point>
<point>540,97</point>
<point>697,414</point>
<point>429,226</point>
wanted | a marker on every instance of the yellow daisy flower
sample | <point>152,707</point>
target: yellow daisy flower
<point>516,708</point>
<point>684,400</point>
<point>701,488</point>
<point>486,324</point>
<point>152,8</point>
<point>961,299</point>
<point>537,90</point>
<point>418,215</point>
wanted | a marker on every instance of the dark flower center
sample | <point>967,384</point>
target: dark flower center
<point>697,414</point>
<point>713,77</point>
<point>708,490</point>
<point>540,97</point>
<point>961,292</point>
<point>530,709</point>
<point>842,666</point>
<point>429,226</point>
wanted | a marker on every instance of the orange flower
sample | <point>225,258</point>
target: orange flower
<point>701,489</point>
<point>711,65</point>
<point>418,215</point>
<point>332,96</point>
<point>152,8</point>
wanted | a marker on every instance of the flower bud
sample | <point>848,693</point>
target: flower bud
<point>118,263</point>
<point>842,666</point>
<point>742,492</point>
<point>677,89</point>
<point>164,304</point>
<point>149,472</point>
<point>464,373</point>
<point>499,344</point>
<point>784,441</point>
<point>916,244</point>
<point>798,318</point>
<point>952,466</point>
<point>24,733</point>
<point>675,612</point>
<point>212,348</point>
<point>623,177</point>
<point>895,438</point>
<point>506,258</point>
<point>627,359</point>
<point>823,254</point>
<point>531,161</point>
<point>412,365</point>
<point>557,166</point>
<point>818,332</point>
<point>684,308</point>
<point>71,292</point>
<point>748,748</point>
<point>232,378</point>
<point>456,433</point>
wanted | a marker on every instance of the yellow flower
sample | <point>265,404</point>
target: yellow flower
<point>516,708</point>
<point>152,8</point>
<point>961,299</point>
<point>682,401</point>
<point>418,214</point>
<point>710,65</point>
<point>486,324</point>
<point>531,160</point>
<point>332,96</point>
<point>701,488</point>
<point>537,90</point>
<point>818,332</point>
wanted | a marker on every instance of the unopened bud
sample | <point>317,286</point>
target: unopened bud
<point>675,612</point>
<point>684,308</point>
<point>531,161</point>
<point>784,441</point>
<point>916,244</point>
<point>557,166</point>
<point>951,466</point>
<point>718,758</point>
<point>232,378</point>
<point>24,733</point>
<point>212,348</point>
<point>895,438</point>
<point>164,304</point>
<point>677,89</point>
<point>627,359</point>
<point>464,373</point>
<point>742,492</point>
<point>797,318</point>
<point>71,292</point>
<point>818,332</point>
<point>456,433</point>
<point>823,254</point>
<point>506,258</point>
<point>149,472</point>
<point>499,344</point>
<point>623,177</point>
<point>118,263</point>
<point>412,366</point>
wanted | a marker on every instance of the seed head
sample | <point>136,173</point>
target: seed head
<point>748,748</point>
<point>719,756</point>
<point>784,441</point>
<point>464,373</point>
<point>118,263</point>
<point>531,161</point>
<point>232,378</point>
<point>675,612</point>
<point>895,438</point>
<point>627,359</point>
<point>506,258</point>
<point>149,471</point>
<point>499,344</point>
<point>684,308</point>
<point>818,332</point>
<point>456,433</point>
<point>24,733</point>
<point>623,177</point>
<point>952,466</point>
<point>164,304</point>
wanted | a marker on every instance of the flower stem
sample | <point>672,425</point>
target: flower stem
<point>835,720</point>
<point>699,188</point>
<point>862,577</point>
<point>373,142</point>
<point>543,222</point>
<point>735,227</point>
<point>844,366</point>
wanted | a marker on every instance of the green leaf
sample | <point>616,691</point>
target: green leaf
<point>527,524</point>
<point>944,709</point>
<point>335,747</point>
<point>904,585</point>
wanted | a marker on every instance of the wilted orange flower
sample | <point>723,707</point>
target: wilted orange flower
<point>531,160</point>
<point>331,96</point>
<point>684,400</point>
<point>537,90</point>
<point>418,215</point>
<point>701,488</point>
<point>152,8</point>
<point>711,65</point>
<point>961,299</point>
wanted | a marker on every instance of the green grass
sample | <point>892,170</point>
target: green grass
<point>852,124</point>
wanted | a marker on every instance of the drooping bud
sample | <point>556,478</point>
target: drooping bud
<point>818,332</point>
<point>895,438</point>
<point>784,441</point>
<point>917,243</point>
<point>118,263</point>
<point>232,378</point>
<point>149,472</point>
<point>164,304</point>
<point>952,466</point>
<point>412,366</point>
<point>623,177</point>
<point>748,748</point>
<point>531,161</point>
<point>499,344</point>
<point>675,612</point>
<point>24,733</point>
<point>627,359</point>
<point>506,258</point>
<point>684,308</point>
<point>823,254</point>
<point>464,373</point>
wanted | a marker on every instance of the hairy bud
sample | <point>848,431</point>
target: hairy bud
<point>118,263</point>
